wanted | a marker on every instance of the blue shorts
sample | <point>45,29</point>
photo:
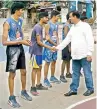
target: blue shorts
<point>36,61</point>
<point>49,56</point>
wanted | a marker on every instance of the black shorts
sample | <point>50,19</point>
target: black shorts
<point>15,58</point>
<point>66,55</point>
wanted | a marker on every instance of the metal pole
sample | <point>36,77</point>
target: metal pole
<point>76,4</point>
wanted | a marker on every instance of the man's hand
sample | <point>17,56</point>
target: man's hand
<point>47,37</point>
<point>53,49</point>
<point>26,42</point>
<point>89,58</point>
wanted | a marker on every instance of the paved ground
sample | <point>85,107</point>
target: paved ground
<point>89,104</point>
<point>51,99</point>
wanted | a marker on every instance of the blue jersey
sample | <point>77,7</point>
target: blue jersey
<point>15,26</point>
<point>53,28</point>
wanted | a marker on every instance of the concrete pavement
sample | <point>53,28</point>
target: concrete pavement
<point>52,99</point>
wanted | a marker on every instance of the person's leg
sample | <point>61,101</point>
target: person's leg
<point>68,74</point>
<point>39,86</point>
<point>12,100</point>
<point>48,57</point>
<point>12,60</point>
<point>63,66</point>
<point>68,66</point>
<point>88,74</point>
<point>33,89</point>
<point>53,65</point>
<point>53,62</point>
<point>11,83</point>
<point>23,78</point>
<point>76,67</point>
<point>33,76</point>
<point>46,68</point>
<point>64,62</point>
<point>22,66</point>
<point>39,75</point>
<point>13,53</point>
<point>24,93</point>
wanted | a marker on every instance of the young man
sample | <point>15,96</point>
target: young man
<point>66,53</point>
<point>36,52</point>
<point>82,46</point>
<point>15,52</point>
<point>51,40</point>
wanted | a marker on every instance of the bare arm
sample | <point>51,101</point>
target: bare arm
<point>47,35</point>
<point>42,44</point>
<point>66,30</point>
<point>5,37</point>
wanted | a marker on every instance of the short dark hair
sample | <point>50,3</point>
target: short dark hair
<point>54,13</point>
<point>67,16</point>
<point>83,18</point>
<point>43,14</point>
<point>76,13</point>
<point>16,6</point>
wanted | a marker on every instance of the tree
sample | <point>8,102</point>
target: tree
<point>1,3</point>
<point>8,3</point>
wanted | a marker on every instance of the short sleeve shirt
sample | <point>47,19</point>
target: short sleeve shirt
<point>35,48</point>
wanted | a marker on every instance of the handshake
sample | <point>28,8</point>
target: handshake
<point>53,49</point>
<point>25,42</point>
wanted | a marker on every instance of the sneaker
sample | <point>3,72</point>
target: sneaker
<point>47,83</point>
<point>53,79</point>
<point>34,91</point>
<point>25,95</point>
<point>13,103</point>
<point>62,78</point>
<point>68,75</point>
<point>41,87</point>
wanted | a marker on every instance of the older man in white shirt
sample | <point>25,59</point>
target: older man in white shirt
<point>82,46</point>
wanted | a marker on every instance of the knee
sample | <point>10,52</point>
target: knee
<point>11,75</point>
<point>47,63</point>
<point>40,67</point>
<point>53,63</point>
<point>23,73</point>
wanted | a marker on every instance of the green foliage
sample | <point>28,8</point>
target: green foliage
<point>8,3</point>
